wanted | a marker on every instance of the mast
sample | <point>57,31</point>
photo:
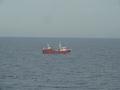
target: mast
<point>60,45</point>
<point>48,46</point>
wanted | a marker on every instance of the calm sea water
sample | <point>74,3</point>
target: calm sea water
<point>93,64</point>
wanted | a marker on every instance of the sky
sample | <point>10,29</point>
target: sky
<point>60,18</point>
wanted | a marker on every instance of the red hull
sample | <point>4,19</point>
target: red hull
<point>50,51</point>
<point>60,50</point>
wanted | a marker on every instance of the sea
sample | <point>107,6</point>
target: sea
<point>93,64</point>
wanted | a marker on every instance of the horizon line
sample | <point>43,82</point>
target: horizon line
<point>58,37</point>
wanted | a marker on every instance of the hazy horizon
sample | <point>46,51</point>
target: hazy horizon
<point>60,18</point>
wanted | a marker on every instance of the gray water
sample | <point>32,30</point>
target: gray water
<point>93,64</point>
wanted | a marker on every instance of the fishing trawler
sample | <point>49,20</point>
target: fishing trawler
<point>60,50</point>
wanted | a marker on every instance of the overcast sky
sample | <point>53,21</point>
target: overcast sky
<point>60,18</point>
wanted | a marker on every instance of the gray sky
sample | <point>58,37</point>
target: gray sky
<point>60,18</point>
